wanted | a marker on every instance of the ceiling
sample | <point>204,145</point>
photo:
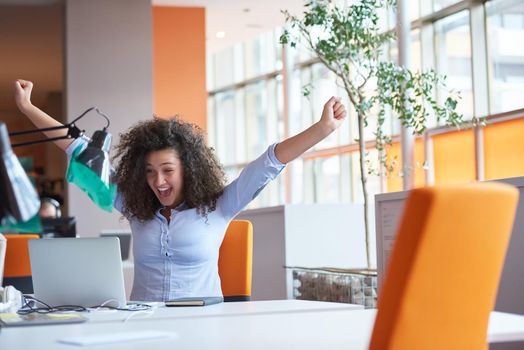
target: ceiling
<point>240,20</point>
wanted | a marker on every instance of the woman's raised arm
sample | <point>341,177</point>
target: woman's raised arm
<point>332,117</point>
<point>22,90</point>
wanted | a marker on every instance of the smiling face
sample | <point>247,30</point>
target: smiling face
<point>165,176</point>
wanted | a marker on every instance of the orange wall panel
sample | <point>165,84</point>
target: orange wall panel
<point>454,157</point>
<point>179,63</point>
<point>394,182</point>
<point>504,149</point>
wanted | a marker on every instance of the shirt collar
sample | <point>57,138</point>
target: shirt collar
<point>180,207</point>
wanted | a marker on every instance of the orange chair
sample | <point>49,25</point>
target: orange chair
<point>445,267</point>
<point>235,261</point>
<point>17,266</point>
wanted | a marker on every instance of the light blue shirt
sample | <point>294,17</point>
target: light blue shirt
<point>180,259</point>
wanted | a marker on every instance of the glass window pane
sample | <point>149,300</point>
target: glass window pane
<point>256,110</point>
<point>260,55</point>
<point>388,14</point>
<point>309,194</point>
<point>387,18</point>
<point>505,32</point>
<point>373,184</point>
<point>391,124</point>
<point>297,180</point>
<point>453,58</point>
<point>328,180</point>
<point>210,72</point>
<point>224,64</point>
<point>225,127</point>
<point>413,9</point>
<point>211,126</point>
<point>298,121</point>
<point>277,49</point>
<point>323,179</point>
<point>324,86</point>
<point>345,178</point>
<point>278,96</point>
<point>440,4</point>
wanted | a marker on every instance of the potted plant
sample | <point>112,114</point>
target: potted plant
<point>348,41</point>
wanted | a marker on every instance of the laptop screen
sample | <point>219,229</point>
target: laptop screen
<point>77,271</point>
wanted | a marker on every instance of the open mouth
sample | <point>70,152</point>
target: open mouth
<point>164,192</point>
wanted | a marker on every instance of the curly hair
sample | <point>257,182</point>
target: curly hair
<point>204,177</point>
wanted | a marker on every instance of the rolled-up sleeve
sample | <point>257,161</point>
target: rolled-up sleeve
<point>253,178</point>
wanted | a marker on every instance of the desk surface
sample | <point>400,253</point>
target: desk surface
<point>304,325</point>
<point>160,311</point>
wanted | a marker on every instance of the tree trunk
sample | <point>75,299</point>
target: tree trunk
<point>363,180</point>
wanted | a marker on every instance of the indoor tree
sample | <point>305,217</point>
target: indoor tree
<point>349,40</point>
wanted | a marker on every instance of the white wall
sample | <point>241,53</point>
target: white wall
<point>302,235</point>
<point>269,258</point>
<point>108,55</point>
<point>325,235</point>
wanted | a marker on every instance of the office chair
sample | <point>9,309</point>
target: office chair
<point>235,261</point>
<point>17,266</point>
<point>445,267</point>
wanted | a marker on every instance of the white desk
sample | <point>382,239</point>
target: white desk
<point>320,327</point>
<point>223,309</point>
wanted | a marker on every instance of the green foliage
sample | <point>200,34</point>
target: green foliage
<point>349,42</point>
<point>306,90</point>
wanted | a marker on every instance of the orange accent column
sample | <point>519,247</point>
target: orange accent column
<point>179,63</point>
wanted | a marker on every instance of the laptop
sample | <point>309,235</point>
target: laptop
<point>77,271</point>
<point>125,240</point>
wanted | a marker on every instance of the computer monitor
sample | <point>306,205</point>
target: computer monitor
<point>59,227</point>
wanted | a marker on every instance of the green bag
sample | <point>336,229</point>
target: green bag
<point>9,224</point>
<point>101,194</point>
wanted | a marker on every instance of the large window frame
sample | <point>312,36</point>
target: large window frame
<point>297,184</point>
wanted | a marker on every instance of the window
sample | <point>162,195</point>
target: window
<point>505,32</point>
<point>247,113</point>
<point>453,57</point>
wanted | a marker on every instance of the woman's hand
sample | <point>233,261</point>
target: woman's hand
<point>22,90</point>
<point>333,114</point>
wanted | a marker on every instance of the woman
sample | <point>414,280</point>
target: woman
<point>172,190</point>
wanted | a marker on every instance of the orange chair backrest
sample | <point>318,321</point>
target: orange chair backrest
<point>235,262</point>
<point>443,274</point>
<point>17,263</point>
